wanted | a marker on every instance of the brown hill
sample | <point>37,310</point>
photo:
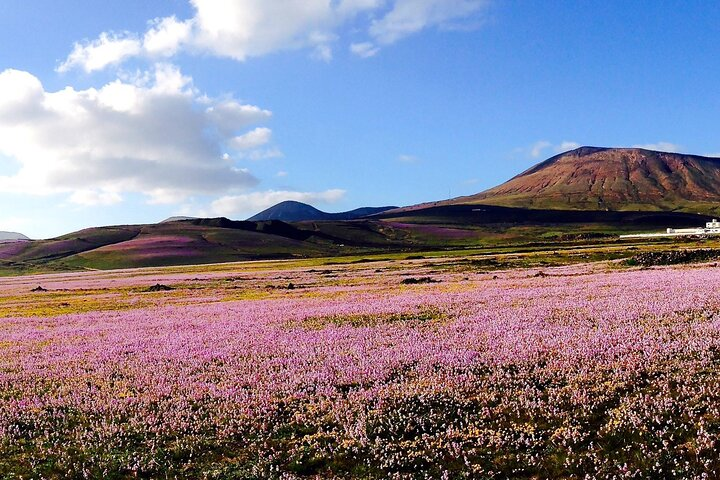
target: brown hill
<point>591,178</point>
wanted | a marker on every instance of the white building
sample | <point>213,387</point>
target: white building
<point>711,228</point>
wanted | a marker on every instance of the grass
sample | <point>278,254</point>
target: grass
<point>20,302</point>
<point>416,319</point>
<point>55,303</point>
<point>542,250</point>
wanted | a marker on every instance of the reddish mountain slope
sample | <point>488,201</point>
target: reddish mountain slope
<point>590,178</point>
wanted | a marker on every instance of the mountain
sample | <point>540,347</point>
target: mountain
<point>12,236</point>
<point>591,178</point>
<point>291,211</point>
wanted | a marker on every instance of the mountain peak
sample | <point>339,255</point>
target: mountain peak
<point>289,211</point>
<point>585,151</point>
<point>294,203</point>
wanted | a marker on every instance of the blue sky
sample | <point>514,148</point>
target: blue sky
<point>130,111</point>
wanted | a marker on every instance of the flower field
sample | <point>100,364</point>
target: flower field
<point>346,371</point>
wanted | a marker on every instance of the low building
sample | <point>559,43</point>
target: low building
<point>711,228</point>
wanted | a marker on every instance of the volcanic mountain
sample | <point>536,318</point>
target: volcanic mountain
<point>291,211</point>
<point>591,178</point>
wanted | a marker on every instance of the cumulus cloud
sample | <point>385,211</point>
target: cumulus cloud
<point>251,203</point>
<point>240,29</point>
<point>253,145</point>
<point>166,35</point>
<point>661,146</point>
<point>230,115</point>
<point>411,16</point>
<point>253,139</point>
<point>108,49</point>
<point>155,135</point>
<point>364,49</point>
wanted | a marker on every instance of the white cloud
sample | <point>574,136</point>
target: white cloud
<point>108,49</point>
<point>253,139</point>
<point>407,158</point>
<point>253,145</point>
<point>348,8</point>
<point>95,197</point>
<point>281,174</point>
<point>229,116</point>
<point>364,49</point>
<point>661,146</point>
<point>240,29</point>
<point>168,196</point>
<point>251,203</point>
<point>166,35</point>
<point>247,28</point>
<point>566,146</point>
<point>323,53</point>
<point>411,16</point>
<point>156,136</point>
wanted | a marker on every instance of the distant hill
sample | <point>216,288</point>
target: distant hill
<point>177,219</point>
<point>212,240</point>
<point>291,211</point>
<point>197,241</point>
<point>12,236</point>
<point>592,178</point>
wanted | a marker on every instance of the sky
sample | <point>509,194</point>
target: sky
<point>131,111</point>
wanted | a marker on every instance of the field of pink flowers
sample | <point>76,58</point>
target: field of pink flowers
<point>578,372</point>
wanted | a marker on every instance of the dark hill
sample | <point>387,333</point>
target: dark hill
<point>509,216</point>
<point>291,211</point>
